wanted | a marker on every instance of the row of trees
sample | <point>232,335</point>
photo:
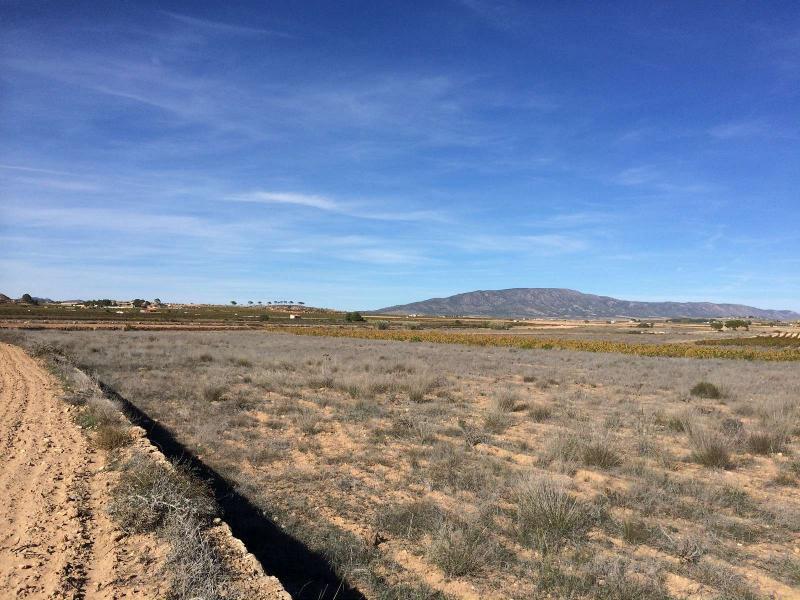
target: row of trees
<point>731,324</point>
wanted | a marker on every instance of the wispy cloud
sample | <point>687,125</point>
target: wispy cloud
<point>740,129</point>
<point>753,128</point>
<point>536,244</point>
<point>32,169</point>
<point>309,200</point>
<point>649,176</point>
<point>210,26</point>
<point>503,14</point>
<point>360,210</point>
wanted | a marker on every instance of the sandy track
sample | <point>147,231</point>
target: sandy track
<point>55,538</point>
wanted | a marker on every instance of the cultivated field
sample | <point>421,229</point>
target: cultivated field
<point>427,470</point>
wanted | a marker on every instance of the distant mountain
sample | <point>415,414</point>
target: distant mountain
<point>556,302</point>
<point>5,299</point>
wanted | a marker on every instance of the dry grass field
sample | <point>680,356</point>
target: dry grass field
<point>428,470</point>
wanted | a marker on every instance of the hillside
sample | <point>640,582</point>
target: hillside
<point>557,302</point>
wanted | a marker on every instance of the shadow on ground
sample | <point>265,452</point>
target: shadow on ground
<point>304,573</point>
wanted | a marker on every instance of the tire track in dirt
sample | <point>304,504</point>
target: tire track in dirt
<point>52,494</point>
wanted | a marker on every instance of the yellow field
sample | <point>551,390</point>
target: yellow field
<point>672,350</point>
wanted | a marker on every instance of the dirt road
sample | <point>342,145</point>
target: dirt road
<point>55,538</point>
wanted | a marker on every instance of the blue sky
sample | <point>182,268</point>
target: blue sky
<point>361,154</point>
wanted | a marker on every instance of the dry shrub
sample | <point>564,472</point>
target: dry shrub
<point>766,442</point>
<point>148,492</point>
<point>308,421</point>
<point>111,437</point>
<point>775,432</point>
<point>621,578</point>
<point>497,421</point>
<point>592,448</point>
<point>635,531</point>
<point>472,435</point>
<point>599,450</point>
<point>168,499</point>
<point>506,400</point>
<point>410,520</point>
<point>539,413</point>
<point>214,393</point>
<point>710,447</point>
<point>194,567</point>
<point>706,389</point>
<point>419,385</point>
<point>547,515</point>
<point>413,427</point>
<point>462,549</point>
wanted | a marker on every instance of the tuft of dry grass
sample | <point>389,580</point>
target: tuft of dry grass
<point>547,515</point>
<point>539,413</point>
<point>462,549</point>
<point>706,389</point>
<point>507,400</point>
<point>111,437</point>
<point>710,447</point>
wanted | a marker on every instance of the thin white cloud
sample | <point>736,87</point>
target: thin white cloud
<point>66,185</point>
<point>740,129</point>
<point>32,169</point>
<point>223,28</point>
<point>755,128</point>
<point>360,210</point>
<point>538,244</point>
<point>98,219</point>
<point>309,200</point>
<point>652,177</point>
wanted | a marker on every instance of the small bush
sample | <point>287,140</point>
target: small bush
<point>205,358</point>
<point>767,442</point>
<point>308,421</point>
<point>506,401</point>
<point>472,435</point>
<point>410,520</point>
<point>635,531</point>
<point>111,437</point>
<point>705,389</point>
<point>539,413</point>
<point>382,325</point>
<point>497,422</point>
<point>675,423</point>
<point>407,426</point>
<point>599,451</point>
<point>462,549</point>
<point>623,579</point>
<point>214,393</point>
<point>418,386</point>
<point>148,492</point>
<point>710,447</point>
<point>547,515</point>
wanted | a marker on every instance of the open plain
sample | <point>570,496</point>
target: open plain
<point>424,470</point>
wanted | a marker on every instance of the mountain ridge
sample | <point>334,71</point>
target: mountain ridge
<point>563,302</point>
